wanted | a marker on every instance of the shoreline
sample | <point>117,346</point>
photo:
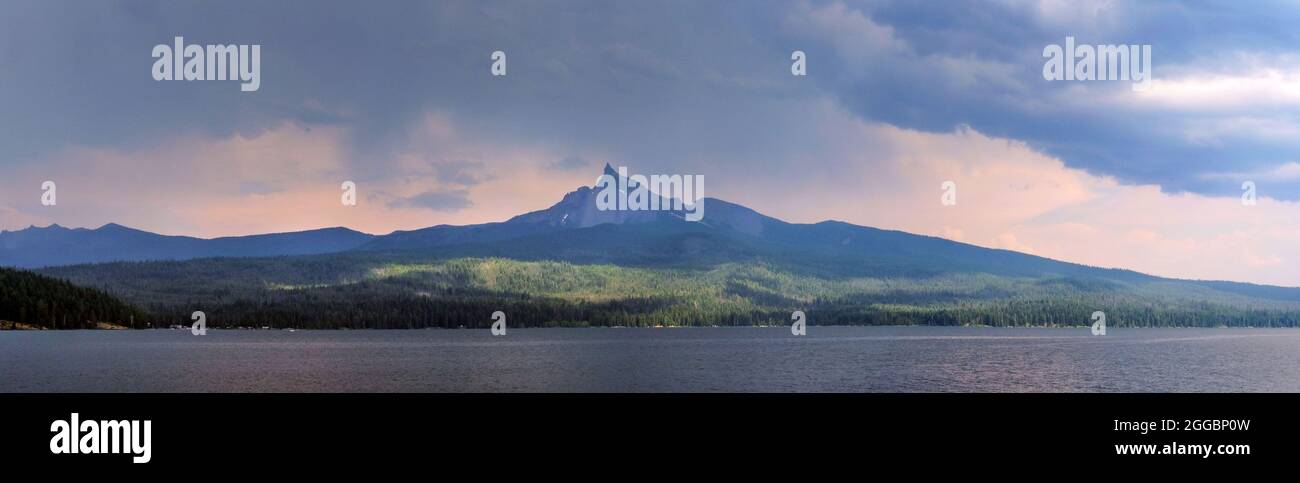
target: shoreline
<point>12,326</point>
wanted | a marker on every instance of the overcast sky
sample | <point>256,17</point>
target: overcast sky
<point>900,96</point>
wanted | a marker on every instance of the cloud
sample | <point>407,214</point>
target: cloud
<point>448,200</point>
<point>196,185</point>
<point>1010,195</point>
<point>463,173</point>
<point>1268,88</point>
<point>288,178</point>
<point>1289,171</point>
<point>570,163</point>
<point>587,78</point>
<point>15,219</point>
<point>1221,97</point>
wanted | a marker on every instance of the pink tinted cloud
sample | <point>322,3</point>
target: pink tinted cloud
<point>1011,196</point>
<point>286,178</point>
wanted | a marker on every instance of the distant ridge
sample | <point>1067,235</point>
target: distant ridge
<point>55,245</point>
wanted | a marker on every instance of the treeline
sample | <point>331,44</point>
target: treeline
<point>400,312</point>
<point>379,292</point>
<point>371,310</point>
<point>30,298</point>
<point>1068,312</point>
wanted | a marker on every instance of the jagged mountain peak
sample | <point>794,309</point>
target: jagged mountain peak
<point>578,208</point>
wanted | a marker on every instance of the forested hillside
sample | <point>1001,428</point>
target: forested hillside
<point>33,299</point>
<point>391,291</point>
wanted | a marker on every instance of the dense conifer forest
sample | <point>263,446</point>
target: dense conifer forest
<point>41,301</point>
<point>377,291</point>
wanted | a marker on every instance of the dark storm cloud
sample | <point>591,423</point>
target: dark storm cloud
<point>654,83</point>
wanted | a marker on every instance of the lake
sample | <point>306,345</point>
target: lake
<point>828,359</point>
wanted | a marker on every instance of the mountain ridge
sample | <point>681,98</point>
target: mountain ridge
<point>573,264</point>
<point>55,245</point>
<point>829,241</point>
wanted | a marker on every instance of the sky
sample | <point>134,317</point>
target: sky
<point>899,97</point>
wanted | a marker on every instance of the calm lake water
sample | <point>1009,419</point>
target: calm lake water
<point>828,359</point>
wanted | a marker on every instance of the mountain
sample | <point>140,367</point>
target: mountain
<point>55,245</point>
<point>576,210</point>
<point>573,264</point>
<point>575,230</point>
